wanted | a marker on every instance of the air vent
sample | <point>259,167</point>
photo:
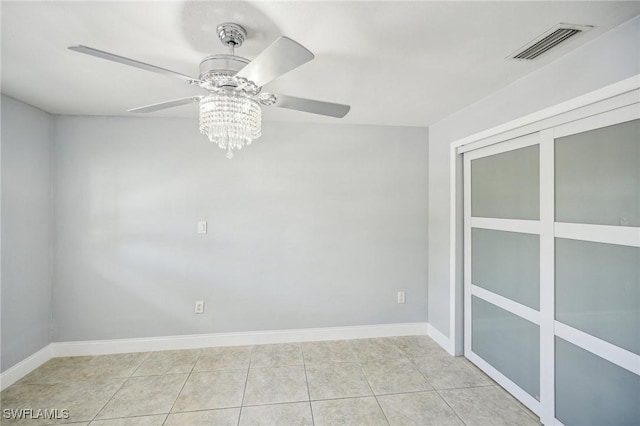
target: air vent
<point>548,40</point>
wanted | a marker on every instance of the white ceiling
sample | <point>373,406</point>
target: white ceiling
<point>396,63</point>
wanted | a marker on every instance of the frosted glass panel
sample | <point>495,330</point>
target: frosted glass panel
<point>507,263</point>
<point>507,342</point>
<point>598,176</point>
<point>507,185</point>
<point>598,290</point>
<point>592,391</point>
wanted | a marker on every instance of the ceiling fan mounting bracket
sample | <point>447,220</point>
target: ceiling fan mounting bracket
<point>231,35</point>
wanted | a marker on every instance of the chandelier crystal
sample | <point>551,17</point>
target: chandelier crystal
<point>230,119</point>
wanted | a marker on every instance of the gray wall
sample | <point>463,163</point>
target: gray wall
<point>605,60</point>
<point>311,226</point>
<point>26,230</point>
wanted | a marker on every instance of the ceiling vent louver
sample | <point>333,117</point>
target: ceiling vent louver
<point>547,41</point>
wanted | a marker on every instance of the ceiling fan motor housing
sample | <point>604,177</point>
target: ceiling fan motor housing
<point>221,64</point>
<point>218,71</point>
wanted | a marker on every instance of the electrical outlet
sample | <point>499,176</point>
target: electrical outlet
<point>401,297</point>
<point>202,227</point>
<point>199,307</point>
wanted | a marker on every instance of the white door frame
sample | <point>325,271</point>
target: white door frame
<point>564,117</point>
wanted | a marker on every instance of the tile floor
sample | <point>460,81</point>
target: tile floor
<point>396,381</point>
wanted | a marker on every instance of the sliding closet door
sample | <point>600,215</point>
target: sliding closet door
<point>552,268</point>
<point>597,270</point>
<point>502,264</point>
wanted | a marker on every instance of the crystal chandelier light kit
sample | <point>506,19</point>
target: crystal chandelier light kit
<point>230,120</point>
<point>231,111</point>
<point>230,116</point>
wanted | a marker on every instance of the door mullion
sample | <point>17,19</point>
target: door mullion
<point>467,253</point>
<point>547,278</point>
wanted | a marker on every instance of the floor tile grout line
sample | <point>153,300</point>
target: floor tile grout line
<point>376,396</point>
<point>141,362</point>
<point>519,404</point>
<point>315,400</point>
<point>491,383</point>
<point>437,393</point>
<point>202,410</point>
<point>372,392</point>
<point>109,400</point>
<point>346,397</point>
<point>515,400</point>
<point>246,380</point>
<point>120,387</point>
<point>182,388</point>
<point>497,386</point>
<point>136,416</point>
<point>306,378</point>
<point>449,405</point>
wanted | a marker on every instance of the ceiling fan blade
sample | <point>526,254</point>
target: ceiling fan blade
<point>165,105</point>
<point>312,106</point>
<point>277,59</point>
<point>131,62</point>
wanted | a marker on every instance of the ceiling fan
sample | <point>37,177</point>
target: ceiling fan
<point>230,111</point>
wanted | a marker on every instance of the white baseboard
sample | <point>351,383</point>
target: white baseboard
<point>146,344</point>
<point>24,367</point>
<point>440,339</point>
<point>101,347</point>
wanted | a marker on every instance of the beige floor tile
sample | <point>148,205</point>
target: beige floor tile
<point>140,388</point>
<point>276,385</point>
<point>209,390</point>
<point>156,420</point>
<point>116,365</point>
<point>415,346</point>
<point>64,369</point>
<point>222,417</point>
<point>343,380</point>
<point>296,414</point>
<point>451,372</point>
<point>351,411</point>
<point>83,399</point>
<point>147,395</point>
<point>433,352</point>
<point>530,413</point>
<point>280,355</point>
<point>168,362</point>
<point>327,352</point>
<point>486,405</point>
<point>58,370</point>
<point>394,376</point>
<point>372,349</point>
<point>475,367</point>
<point>419,409</point>
<point>435,361</point>
<point>224,358</point>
